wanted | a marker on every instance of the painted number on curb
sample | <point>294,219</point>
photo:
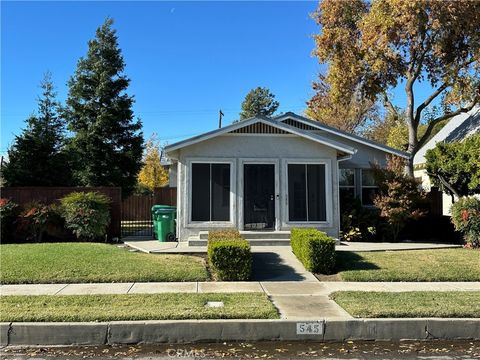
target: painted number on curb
<point>310,328</point>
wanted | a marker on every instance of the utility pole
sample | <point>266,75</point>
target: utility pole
<point>220,116</point>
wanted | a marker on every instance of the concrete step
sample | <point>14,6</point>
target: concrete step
<point>251,235</point>
<point>196,241</point>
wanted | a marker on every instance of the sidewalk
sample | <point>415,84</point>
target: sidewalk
<point>295,300</point>
<point>155,246</point>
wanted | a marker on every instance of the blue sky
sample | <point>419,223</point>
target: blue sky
<point>186,60</point>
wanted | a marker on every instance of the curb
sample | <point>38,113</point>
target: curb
<point>191,331</point>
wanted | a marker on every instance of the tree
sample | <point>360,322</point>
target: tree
<point>152,174</point>
<point>381,45</point>
<point>38,156</point>
<point>107,140</point>
<point>455,167</point>
<point>349,112</point>
<point>259,101</point>
<point>399,196</point>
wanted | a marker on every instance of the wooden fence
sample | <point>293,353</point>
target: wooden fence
<point>138,207</point>
<point>48,195</point>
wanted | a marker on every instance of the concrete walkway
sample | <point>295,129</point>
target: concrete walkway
<point>295,300</point>
<point>154,246</point>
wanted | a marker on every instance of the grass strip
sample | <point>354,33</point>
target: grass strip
<point>452,304</point>
<point>171,306</point>
<point>410,265</point>
<point>93,262</point>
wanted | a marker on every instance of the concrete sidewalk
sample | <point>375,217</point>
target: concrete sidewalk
<point>155,246</point>
<point>294,299</point>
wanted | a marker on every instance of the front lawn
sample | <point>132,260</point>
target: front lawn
<point>410,265</point>
<point>93,262</point>
<point>452,304</point>
<point>135,307</point>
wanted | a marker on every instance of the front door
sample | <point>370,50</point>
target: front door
<point>259,196</point>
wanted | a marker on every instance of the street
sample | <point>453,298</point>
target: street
<point>260,350</point>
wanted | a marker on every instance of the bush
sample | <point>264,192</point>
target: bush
<point>359,223</point>
<point>315,249</point>
<point>230,259</point>
<point>230,234</point>
<point>8,214</point>
<point>399,197</point>
<point>34,221</point>
<point>466,219</point>
<point>86,214</point>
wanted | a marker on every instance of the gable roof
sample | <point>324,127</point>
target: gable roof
<point>269,122</point>
<point>457,129</point>
<point>346,135</point>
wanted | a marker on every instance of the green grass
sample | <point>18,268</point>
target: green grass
<point>92,262</point>
<point>455,304</point>
<point>135,307</point>
<point>410,265</point>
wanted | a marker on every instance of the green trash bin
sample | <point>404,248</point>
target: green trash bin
<point>164,223</point>
<point>155,217</point>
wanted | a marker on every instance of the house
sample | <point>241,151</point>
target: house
<point>271,174</point>
<point>458,128</point>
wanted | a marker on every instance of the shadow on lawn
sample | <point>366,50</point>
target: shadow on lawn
<point>347,260</point>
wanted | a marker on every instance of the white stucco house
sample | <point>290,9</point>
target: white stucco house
<point>457,129</point>
<point>271,174</point>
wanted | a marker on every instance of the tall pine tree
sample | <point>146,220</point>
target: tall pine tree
<point>107,140</point>
<point>38,156</point>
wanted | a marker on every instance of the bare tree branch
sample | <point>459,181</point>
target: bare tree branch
<point>388,104</point>
<point>428,100</point>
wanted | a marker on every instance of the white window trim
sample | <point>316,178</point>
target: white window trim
<point>241,185</point>
<point>328,192</point>
<point>188,222</point>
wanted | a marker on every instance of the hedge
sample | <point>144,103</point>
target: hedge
<point>230,259</point>
<point>230,234</point>
<point>315,249</point>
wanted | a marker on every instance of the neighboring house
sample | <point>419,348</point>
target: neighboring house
<point>457,129</point>
<point>271,174</point>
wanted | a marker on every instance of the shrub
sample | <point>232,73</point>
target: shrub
<point>359,223</point>
<point>399,197</point>
<point>315,249</point>
<point>231,234</point>
<point>8,213</point>
<point>466,219</point>
<point>230,259</point>
<point>86,214</point>
<point>34,220</point>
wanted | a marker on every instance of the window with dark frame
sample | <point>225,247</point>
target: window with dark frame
<point>306,192</point>
<point>346,183</point>
<point>369,187</point>
<point>210,192</point>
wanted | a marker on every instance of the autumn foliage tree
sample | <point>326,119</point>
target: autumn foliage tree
<point>399,197</point>
<point>152,174</point>
<point>373,47</point>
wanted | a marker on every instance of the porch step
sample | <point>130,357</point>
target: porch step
<point>256,235</point>
<point>196,241</point>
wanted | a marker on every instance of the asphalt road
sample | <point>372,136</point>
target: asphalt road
<point>263,350</point>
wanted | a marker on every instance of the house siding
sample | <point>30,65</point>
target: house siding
<point>259,147</point>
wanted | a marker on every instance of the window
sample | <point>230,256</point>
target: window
<point>369,187</point>
<point>210,192</point>
<point>306,192</point>
<point>347,186</point>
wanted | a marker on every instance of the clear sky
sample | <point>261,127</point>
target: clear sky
<point>186,60</point>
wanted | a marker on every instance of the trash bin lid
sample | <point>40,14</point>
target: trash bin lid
<point>164,211</point>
